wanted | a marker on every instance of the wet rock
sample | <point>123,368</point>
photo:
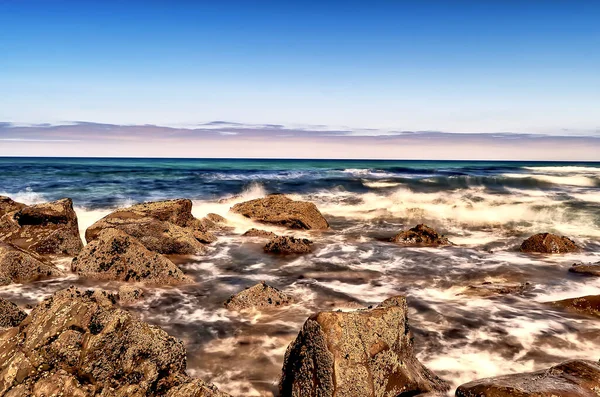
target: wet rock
<point>548,243</point>
<point>280,210</point>
<point>487,289</point>
<point>48,228</point>
<point>167,227</point>
<point>259,233</point>
<point>115,255</point>
<point>9,205</point>
<point>589,269</point>
<point>20,266</point>
<point>360,353</point>
<point>260,296</point>
<point>575,378</point>
<point>10,314</point>
<point>213,222</point>
<point>77,343</point>
<point>420,235</point>
<point>130,294</point>
<point>288,245</point>
<point>589,305</point>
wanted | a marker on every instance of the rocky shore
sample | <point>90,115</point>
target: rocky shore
<point>86,342</point>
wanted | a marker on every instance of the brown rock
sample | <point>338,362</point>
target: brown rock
<point>589,305</point>
<point>77,343</point>
<point>10,314</point>
<point>548,244</point>
<point>115,255</point>
<point>575,378</point>
<point>280,210</point>
<point>8,205</point>
<point>288,245</point>
<point>488,289</point>
<point>363,353</point>
<point>20,266</point>
<point>259,233</point>
<point>420,235</point>
<point>260,296</point>
<point>589,269</point>
<point>130,294</point>
<point>49,228</point>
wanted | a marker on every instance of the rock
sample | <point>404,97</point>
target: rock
<point>213,221</point>
<point>130,294</point>
<point>589,305</point>
<point>49,228</point>
<point>420,235</point>
<point>548,244</point>
<point>20,266</point>
<point>363,353</point>
<point>167,227</point>
<point>280,210</point>
<point>589,269</point>
<point>488,289</point>
<point>10,314</point>
<point>260,296</point>
<point>288,245</point>
<point>78,343</point>
<point>574,378</point>
<point>115,255</point>
<point>9,205</point>
<point>259,233</point>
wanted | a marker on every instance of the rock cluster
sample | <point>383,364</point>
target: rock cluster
<point>548,243</point>
<point>288,245</point>
<point>420,235</point>
<point>259,296</point>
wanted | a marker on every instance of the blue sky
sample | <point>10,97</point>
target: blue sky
<point>453,66</point>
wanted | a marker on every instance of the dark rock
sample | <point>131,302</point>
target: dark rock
<point>49,228</point>
<point>589,269</point>
<point>20,266</point>
<point>260,296</point>
<point>488,289</point>
<point>589,305</point>
<point>115,255</point>
<point>363,353</point>
<point>420,235</point>
<point>280,210</point>
<point>288,245</point>
<point>259,233</point>
<point>548,244</point>
<point>575,378</point>
<point>10,314</point>
<point>77,343</point>
<point>130,294</point>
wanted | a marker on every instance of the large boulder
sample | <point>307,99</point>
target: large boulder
<point>575,378</point>
<point>10,314</point>
<point>9,205</point>
<point>420,235</point>
<point>115,255</point>
<point>167,227</point>
<point>259,296</point>
<point>548,243</point>
<point>20,266</point>
<point>288,245</point>
<point>280,210</point>
<point>591,269</point>
<point>589,305</point>
<point>48,228</point>
<point>363,353</point>
<point>77,343</point>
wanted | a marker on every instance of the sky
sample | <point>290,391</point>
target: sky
<point>365,68</point>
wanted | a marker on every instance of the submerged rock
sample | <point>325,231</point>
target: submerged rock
<point>363,353</point>
<point>10,314</point>
<point>48,228</point>
<point>420,235</point>
<point>115,255</point>
<point>589,269</point>
<point>77,343</point>
<point>20,266</point>
<point>259,233</point>
<point>548,243</point>
<point>288,245</point>
<point>280,210</point>
<point>130,294</point>
<point>487,289</point>
<point>259,296</point>
<point>575,378</point>
<point>589,305</point>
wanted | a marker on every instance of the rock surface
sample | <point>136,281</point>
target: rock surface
<point>259,296</point>
<point>10,314</point>
<point>78,344</point>
<point>488,289</point>
<point>280,210</point>
<point>288,245</point>
<point>48,228</point>
<point>589,305</point>
<point>167,227</point>
<point>589,269</point>
<point>420,235</point>
<point>130,294</point>
<point>259,233</point>
<point>575,378</point>
<point>9,205</point>
<point>363,353</point>
<point>20,266</point>
<point>548,243</point>
<point>115,255</point>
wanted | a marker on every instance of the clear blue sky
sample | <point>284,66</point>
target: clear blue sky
<point>470,66</point>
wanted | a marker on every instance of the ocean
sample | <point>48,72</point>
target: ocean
<point>485,208</point>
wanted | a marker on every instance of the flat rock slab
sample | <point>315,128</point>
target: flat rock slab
<point>20,266</point>
<point>589,305</point>
<point>588,270</point>
<point>488,289</point>
<point>288,245</point>
<point>259,296</point>
<point>547,243</point>
<point>420,235</point>
<point>259,233</point>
